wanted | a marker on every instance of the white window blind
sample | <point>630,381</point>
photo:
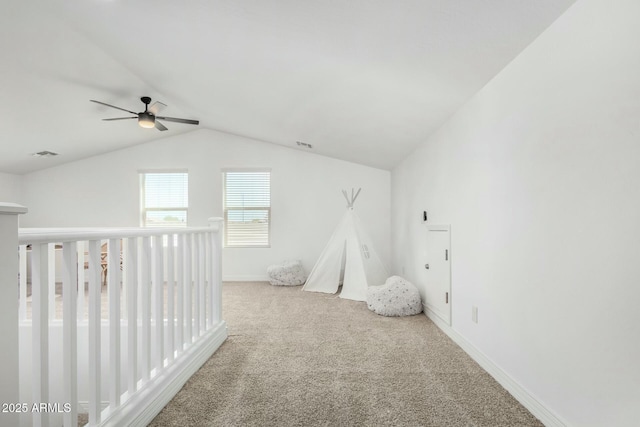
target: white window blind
<point>247,208</point>
<point>165,199</point>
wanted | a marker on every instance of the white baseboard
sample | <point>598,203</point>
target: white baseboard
<point>238,278</point>
<point>140,409</point>
<point>430,312</point>
<point>522,395</point>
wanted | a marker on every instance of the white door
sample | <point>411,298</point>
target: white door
<point>437,268</point>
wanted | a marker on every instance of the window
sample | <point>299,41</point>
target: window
<point>247,207</point>
<point>164,199</point>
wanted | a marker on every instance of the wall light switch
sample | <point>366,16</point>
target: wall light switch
<point>474,314</point>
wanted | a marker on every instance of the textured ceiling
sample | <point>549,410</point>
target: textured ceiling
<point>361,80</point>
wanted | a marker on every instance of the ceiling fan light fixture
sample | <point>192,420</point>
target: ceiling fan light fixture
<point>146,120</point>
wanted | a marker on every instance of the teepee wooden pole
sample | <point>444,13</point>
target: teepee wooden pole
<point>353,199</point>
<point>344,193</point>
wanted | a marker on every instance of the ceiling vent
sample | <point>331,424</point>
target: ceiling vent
<point>304,144</point>
<point>44,154</point>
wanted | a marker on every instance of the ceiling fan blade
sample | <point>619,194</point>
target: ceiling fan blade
<point>160,126</point>
<point>119,118</point>
<point>113,106</point>
<point>156,107</point>
<point>185,121</point>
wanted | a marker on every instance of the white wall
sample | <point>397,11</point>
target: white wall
<point>10,188</point>
<point>539,177</point>
<point>306,199</point>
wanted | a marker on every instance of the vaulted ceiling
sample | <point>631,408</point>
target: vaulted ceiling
<point>361,80</point>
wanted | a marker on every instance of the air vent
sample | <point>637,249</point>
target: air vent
<point>44,154</point>
<point>304,144</point>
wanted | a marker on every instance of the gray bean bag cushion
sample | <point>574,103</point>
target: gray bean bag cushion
<point>289,273</point>
<point>397,297</point>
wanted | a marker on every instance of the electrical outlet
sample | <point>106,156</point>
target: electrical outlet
<point>474,314</point>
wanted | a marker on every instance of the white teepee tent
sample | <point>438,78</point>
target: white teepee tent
<point>349,259</point>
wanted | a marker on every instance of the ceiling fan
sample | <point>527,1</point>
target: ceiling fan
<point>148,117</point>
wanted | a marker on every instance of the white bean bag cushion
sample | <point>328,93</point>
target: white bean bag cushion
<point>397,297</point>
<point>289,273</point>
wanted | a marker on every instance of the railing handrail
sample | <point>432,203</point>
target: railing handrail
<point>58,235</point>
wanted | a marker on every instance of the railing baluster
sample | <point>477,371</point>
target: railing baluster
<point>180,291</point>
<point>201,284</point>
<point>209,280</point>
<point>188,330</point>
<point>40,316</point>
<point>22,269</point>
<point>171,281</point>
<point>216,266</point>
<point>196,285</point>
<point>145,303</point>
<point>123,282</point>
<point>70,331</point>
<point>113,290</point>
<point>158,283</point>
<point>131,275</point>
<point>51,266</point>
<point>94,332</point>
<point>80,268</point>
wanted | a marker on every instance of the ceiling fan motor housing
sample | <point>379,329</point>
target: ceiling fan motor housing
<point>146,120</point>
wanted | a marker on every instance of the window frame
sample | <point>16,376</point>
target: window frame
<point>225,240</point>
<point>143,209</point>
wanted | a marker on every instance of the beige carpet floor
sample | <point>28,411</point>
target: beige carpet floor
<point>298,358</point>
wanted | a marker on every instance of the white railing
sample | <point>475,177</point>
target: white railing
<point>112,322</point>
